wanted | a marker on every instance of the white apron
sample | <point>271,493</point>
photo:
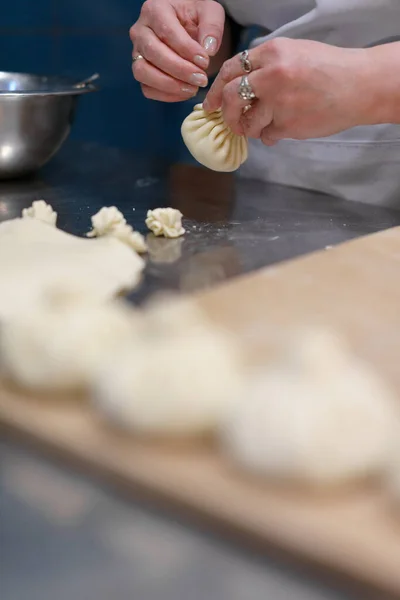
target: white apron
<point>361,164</point>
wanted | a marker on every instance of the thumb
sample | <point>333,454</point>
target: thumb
<point>211,25</point>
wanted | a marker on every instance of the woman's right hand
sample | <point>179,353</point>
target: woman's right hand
<point>176,39</point>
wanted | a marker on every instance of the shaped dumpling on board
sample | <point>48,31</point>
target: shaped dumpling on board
<point>179,381</point>
<point>60,343</point>
<point>211,142</point>
<point>319,417</point>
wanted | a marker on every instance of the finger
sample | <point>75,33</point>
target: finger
<point>271,135</point>
<point>147,74</point>
<point>167,27</point>
<point>166,60</point>
<point>231,69</point>
<point>211,26</point>
<point>153,94</point>
<point>257,119</point>
<point>252,122</point>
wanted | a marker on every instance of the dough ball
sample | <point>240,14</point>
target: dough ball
<point>61,344</point>
<point>41,211</point>
<point>211,142</point>
<point>166,222</point>
<point>35,257</point>
<point>320,416</point>
<point>172,386</point>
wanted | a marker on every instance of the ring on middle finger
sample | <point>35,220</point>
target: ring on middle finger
<point>245,62</point>
<point>245,90</point>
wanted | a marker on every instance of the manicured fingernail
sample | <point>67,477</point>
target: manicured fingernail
<point>201,61</point>
<point>199,80</point>
<point>189,91</point>
<point>210,45</point>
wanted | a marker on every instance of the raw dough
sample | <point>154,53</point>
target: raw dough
<point>60,344</point>
<point>34,257</point>
<point>166,222</point>
<point>319,417</point>
<point>109,221</point>
<point>180,380</point>
<point>104,221</point>
<point>211,142</point>
<point>41,211</point>
<point>167,316</point>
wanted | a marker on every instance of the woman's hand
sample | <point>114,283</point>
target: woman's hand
<point>176,39</point>
<point>304,89</point>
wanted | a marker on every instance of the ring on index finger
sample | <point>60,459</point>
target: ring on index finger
<point>245,62</point>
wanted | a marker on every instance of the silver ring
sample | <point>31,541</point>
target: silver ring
<point>245,62</point>
<point>138,57</point>
<point>245,90</point>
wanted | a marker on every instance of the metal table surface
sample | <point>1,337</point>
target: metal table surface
<point>233,226</point>
<point>63,536</point>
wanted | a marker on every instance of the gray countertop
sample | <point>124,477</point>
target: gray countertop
<point>64,537</point>
<point>233,226</point>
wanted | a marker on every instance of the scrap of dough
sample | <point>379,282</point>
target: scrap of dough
<point>180,380</point>
<point>34,257</point>
<point>134,239</point>
<point>109,221</point>
<point>166,222</point>
<point>105,220</point>
<point>60,344</point>
<point>211,142</point>
<point>320,417</point>
<point>41,211</point>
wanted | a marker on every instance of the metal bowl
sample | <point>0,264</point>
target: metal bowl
<point>36,115</point>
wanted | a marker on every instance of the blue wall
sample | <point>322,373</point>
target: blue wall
<point>81,37</point>
<point>78,38</point>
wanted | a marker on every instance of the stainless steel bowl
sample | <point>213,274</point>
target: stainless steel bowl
<point>36,114</point>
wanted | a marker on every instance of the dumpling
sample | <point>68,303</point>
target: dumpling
<point>211,142</point>
<point>319,417</point>
<point>180,386</point>
<point>59,345</point>
<point>179,380</point>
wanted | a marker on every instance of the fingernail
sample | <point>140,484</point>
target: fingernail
<point>199,80</point>
<point>210,45</point>
<point>201,61</point>
<point>189,91</point>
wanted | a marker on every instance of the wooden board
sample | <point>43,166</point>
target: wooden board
<point>356,288</point>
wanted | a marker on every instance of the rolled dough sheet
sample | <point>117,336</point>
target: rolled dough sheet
<point>35,258</point>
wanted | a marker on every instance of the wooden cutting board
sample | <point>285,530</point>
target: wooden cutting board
<point>353,533</point>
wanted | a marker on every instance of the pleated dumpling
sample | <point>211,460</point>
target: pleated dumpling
<point>211,142</point>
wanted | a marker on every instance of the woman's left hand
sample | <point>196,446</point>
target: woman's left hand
<point>304,89</point>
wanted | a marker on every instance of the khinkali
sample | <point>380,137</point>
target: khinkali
<point>211,142</point>
<point>319,417</point>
